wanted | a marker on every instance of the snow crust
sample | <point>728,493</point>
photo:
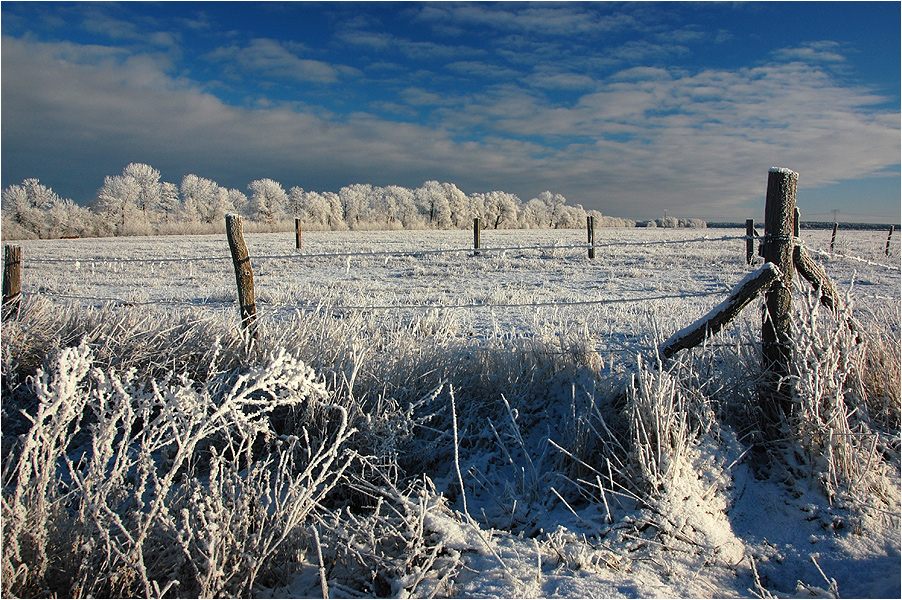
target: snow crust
<point>784,171</point>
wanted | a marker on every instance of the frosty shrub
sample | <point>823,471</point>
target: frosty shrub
<point>127,489</point>
<point>846,411</point>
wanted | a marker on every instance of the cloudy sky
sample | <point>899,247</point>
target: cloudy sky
<point>629,108</point>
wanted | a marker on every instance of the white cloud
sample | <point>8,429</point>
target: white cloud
<point>561,19</point>
<point>699,142</point>
<point>272,58</point>
<point>812,52</point>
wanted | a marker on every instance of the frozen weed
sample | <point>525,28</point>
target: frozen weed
<point>122,490</point>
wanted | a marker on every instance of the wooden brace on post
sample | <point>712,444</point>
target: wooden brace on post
<point>746,291</point>
<point>828,296</point>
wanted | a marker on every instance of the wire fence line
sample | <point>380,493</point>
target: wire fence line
<point>844,256</point>
<point>375,253</point>
<point>93,262</point>
<point>272,307</point>
<point>200,302</point>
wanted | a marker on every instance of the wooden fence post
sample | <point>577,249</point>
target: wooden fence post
<point>749,241</point>
<point>297,234</point>
<point>590,229</point>
<point>476,231</point>
<point>12,278</point>
<point>833,237</point>
<point>244,276</point>
<point>776,328</point>
<point>888,238</point>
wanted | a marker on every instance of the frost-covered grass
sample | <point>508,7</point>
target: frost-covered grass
<point>380,448</point>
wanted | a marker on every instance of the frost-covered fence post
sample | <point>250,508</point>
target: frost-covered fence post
<point>833,237</point>
<point>244,276</point>
<point>12,278</point>
<point>749,241</point>
<point>776,329</point>
<point>476,230</point>
<point>297,234</point>
<point>590,229</point>
<point>888,238</point>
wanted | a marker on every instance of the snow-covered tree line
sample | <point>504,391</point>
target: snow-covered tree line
<point>138,202</point>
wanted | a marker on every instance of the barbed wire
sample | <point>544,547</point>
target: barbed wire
<point>110,260</point>
<point>375,253</point>
<point>423,307</point>
<point>124,302</point>
<point>844,256</point>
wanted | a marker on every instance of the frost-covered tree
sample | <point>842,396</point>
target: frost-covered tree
<point>204,200</point>
<point>433,202</point>
<point>501,208</point>
<point>268,199</point>
<point>536,214</point>
<point>117,204</point>
<point>405,206</point>
<point>554,204</point>
<point>26,205</point>
<point>320,210</point>
<point>169,204</point>
<point>571,217</point>
<point>354,199</point>
<point>295,204</point>
<point>129,202</point>
<point>34,210</point>
<point>65,218</point>
<point>459,205</point>
<point>238,200</point>
<point>150,187</point>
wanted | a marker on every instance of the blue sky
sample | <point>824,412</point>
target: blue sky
<point>629,108</point>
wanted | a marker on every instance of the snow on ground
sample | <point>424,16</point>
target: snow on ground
<point>715,530</point>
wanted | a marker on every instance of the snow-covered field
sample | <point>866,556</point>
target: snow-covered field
<point>512,426</point>
<point>636,275</point>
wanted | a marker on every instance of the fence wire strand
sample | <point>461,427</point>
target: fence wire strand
<point>375,253</point>
<point>263,305</point>
<point>843,256</point>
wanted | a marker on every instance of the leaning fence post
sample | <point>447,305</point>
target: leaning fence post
<point>12,278</point>
<point>833,237</point>
<point>590,229</point>
<point>297,234</point>
<point>749,241</point>
<point>244,276</point>
<point>888,238</point>
<point>776,329</point>
<point>476,231</point>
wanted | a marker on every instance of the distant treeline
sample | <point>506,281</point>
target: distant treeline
<point>138,202</point>
<point>812,225</point>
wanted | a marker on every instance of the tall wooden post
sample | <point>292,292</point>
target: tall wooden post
<point>12,278</point>
<point>749,241</point>
<point>244,275</point>
<point>297,234</point>
<point>476,232</point>
<point>776,330</point>
<point>833,237</point>
<point>888,238</point>
<point>590,229</point>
